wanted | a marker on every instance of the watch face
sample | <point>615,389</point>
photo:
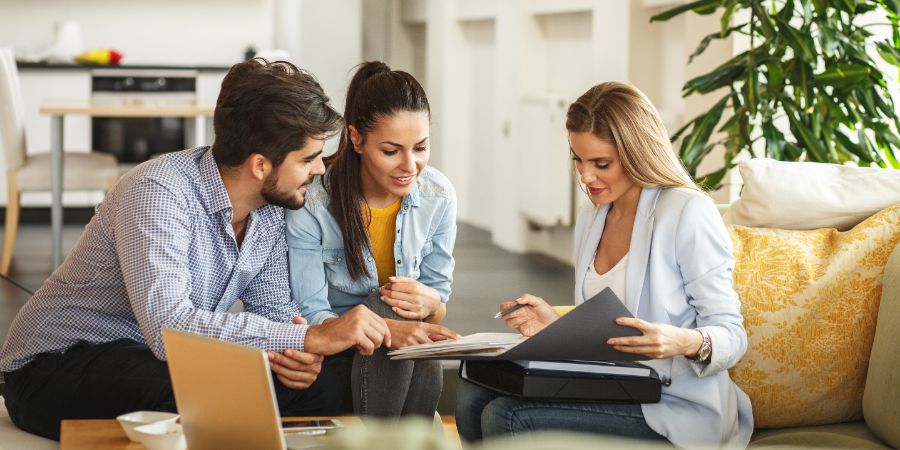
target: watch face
<point>705,351</point>
<point>705,348</point>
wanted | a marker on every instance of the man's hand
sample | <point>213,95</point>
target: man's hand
<point>295,369</point>
<point>359,327</point>
<point>405,333</point>
<point>534,317</point>
<point>410,299</point>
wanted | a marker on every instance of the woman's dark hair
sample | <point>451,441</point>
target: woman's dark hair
<point>270,109</point>
<point>375,92</point>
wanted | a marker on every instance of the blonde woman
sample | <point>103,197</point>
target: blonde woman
<point>658,242</point>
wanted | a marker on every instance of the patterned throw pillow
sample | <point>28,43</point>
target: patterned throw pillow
<point>810,303</point>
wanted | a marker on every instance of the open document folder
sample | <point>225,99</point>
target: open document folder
<point>579,335</point>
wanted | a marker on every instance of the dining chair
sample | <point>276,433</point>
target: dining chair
<point>93,171</point>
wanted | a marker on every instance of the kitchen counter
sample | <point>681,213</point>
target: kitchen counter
<point>23,66</point>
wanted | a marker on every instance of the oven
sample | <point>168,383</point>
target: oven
<point>136,139</point>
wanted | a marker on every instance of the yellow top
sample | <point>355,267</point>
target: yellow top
<point>382,229</point>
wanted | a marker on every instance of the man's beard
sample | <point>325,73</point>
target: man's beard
<point>274,196</point>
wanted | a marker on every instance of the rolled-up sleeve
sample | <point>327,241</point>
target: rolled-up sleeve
<point>706,262</point>
<point>436,269</point>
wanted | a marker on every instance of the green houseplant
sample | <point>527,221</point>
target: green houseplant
<point>807,89</point>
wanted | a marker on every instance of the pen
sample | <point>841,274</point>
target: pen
<point>509,310</point>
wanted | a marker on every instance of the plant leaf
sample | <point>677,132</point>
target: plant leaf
<point>801,44</point>
<point>712,181</point>
<point>774,141</point>
<point>752,92</point>
<point>801,131</point>
<point>704,43</point>
<point>725,20</point>
<point>890,151</point>
<point>888,52</point>
<point>765,22</point>
<point>844,75</point>
<point>848,145</point>
<point>700,4</point>
<point>692,148</point>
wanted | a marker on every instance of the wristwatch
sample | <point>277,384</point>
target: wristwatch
<point>705,351</point>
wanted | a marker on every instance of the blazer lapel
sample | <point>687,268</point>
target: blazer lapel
<point>587,248</point>
<point>639,250</point>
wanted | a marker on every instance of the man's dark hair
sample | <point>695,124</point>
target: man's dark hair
<point>270,109</point>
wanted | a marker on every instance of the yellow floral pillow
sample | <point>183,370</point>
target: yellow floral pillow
<point>810,302</point>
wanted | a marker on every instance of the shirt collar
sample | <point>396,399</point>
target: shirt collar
<point>414,197</point>
<point>214,193</point>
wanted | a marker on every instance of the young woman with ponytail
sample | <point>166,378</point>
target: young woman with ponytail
<point>378,230</point>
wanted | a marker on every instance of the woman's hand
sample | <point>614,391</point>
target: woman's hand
<point>405,333</point>
<point>659,340</point>
<point>410,299</point>
<point>530,319</point>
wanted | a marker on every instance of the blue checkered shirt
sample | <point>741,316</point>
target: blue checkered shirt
<point>160,252</point>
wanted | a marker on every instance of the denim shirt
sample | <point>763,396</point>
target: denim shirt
<point>426,232</point>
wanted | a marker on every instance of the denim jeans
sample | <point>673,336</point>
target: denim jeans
<point>385,388</point>
<point>482,413</point>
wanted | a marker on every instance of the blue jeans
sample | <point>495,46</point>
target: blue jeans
<point>481,413</point>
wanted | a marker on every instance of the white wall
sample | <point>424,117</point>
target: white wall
<point>324,37</point>
<point>195,32</point>
<point>478,74</point>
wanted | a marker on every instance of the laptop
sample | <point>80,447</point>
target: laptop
<point>225,396</point>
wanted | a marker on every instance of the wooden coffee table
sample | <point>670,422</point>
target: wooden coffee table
<point>107,434</point>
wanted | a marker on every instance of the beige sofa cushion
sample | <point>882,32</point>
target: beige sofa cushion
<point>810,302</point>
<point>842,435</point>
<point>806,196</point>
<point>881,402</point>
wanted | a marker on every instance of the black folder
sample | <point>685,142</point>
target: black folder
<point>509,378</point>
<point>579,335</point>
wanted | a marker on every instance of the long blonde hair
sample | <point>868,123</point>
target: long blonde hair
<point>623,115</point>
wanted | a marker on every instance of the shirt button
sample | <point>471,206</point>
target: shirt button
<point>340,259</point>
<point>399,262</point>
<point>372,291</point>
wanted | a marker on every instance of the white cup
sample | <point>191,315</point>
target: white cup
<point>161,436</point>
<point>135,419</point>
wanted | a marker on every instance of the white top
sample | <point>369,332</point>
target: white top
<point>614,279</point>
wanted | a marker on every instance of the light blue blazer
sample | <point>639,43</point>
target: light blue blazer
<point>680,272</point>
